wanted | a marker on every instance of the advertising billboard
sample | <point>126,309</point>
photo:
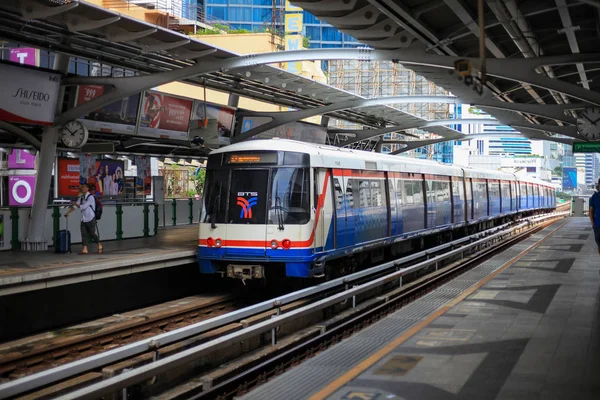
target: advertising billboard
<point>25,56</point>
<point>117,117</point>
<point>569,178</point>
<point>301,131</point>
<point>165,116</point>
<point>106,178</point>
<point>212,122</point>
<point>28,96</point>
<point>21,190</point>
<point>21,159</point>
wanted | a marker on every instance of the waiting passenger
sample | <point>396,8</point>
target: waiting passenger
<point>89,229</point>
<point>595,214</point>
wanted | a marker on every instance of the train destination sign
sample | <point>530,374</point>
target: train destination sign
<point>586,147</point>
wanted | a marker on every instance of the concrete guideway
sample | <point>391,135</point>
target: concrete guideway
<point>24,271</point>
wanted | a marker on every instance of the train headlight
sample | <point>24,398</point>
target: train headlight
<point>286,244</point>
<point>274,244</point>
<point>218,242</point>
<point>210,242</point>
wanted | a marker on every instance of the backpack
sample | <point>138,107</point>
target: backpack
<point>98,209</point>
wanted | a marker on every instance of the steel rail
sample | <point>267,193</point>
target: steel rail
<point>50,376</point>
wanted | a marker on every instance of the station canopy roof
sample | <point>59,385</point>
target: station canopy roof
<point>513,29</point>
<point>59,29</point>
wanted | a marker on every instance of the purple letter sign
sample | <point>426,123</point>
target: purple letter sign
<point>24,55</point>
<point>20,159</point>
<point>20,190</point>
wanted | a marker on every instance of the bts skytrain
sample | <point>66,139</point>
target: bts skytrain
<point>286,208</point>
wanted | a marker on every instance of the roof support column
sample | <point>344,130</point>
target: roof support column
<point>35,234</point>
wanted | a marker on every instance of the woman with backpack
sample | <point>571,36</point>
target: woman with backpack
<point>87,204</point>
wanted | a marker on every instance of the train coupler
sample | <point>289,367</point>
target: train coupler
<point>244,272</point>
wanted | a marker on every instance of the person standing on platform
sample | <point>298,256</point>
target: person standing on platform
<point>87,204</point>
<point>595,214</point>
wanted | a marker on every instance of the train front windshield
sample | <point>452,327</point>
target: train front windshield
<point>257,188</point>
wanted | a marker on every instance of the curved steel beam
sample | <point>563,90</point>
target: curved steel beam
<point>522,70</point>
<point>551,111</point>
<point>411,145</point>
<point>285,117</point>
<point>26,136</point>
<point>371,133</point>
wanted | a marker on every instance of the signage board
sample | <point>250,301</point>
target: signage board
<point>293,23</point>
<point>21,159</point>
<point>25,56</point>
<point>569,178</point>
<point>21,190</point>
<point>165,116</point>
<point>586,147</point>
<point>106,178</point>
<point>214,123</point>
<point>301,131</point>
<point>117,117</point>
<point>28,96</point>
<point>290,7</point>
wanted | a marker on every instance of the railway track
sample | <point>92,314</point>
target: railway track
<point>40,352</point>
<point>257,335</point>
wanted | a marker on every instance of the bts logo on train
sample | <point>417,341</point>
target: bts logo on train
<point>247,204</point>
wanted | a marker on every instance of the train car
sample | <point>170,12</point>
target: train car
<point>290,209</point>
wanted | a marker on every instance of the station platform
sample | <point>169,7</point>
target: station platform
<point>522,325</point>
<point>26,271</point>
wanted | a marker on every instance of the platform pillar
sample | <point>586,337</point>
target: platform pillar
<point>35,234</point>
<point>191,216</point>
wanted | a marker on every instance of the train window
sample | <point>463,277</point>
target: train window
<point>409,190</point>
<point>418,192</point>
<point>364,193</point>
<point>376,194</point>
<point>399,190</point>
<point>290,194</point>
<point>339,194</point>
<point>349,193</point>
<point>215,198</point>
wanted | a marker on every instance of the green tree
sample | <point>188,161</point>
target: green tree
<point>557,171</point>
<point>199,179</point>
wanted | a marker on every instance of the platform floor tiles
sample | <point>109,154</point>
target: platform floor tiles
<point>528,329</point>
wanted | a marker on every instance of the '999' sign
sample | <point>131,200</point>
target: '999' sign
<point>21,190</point>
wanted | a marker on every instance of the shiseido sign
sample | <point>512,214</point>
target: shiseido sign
<point>28,96</point>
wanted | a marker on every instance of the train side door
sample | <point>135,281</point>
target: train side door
<point>323,210</point>
<point>340,204</point>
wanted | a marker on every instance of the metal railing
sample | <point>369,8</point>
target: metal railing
<point>477,241</point>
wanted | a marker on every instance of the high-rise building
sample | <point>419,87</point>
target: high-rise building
<point>588,167</point>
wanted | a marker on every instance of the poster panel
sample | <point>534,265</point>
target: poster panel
<point>28,95</point>
<point>214,123</point>
<point>143,181</point>
<point>105,178</point>
<point>117,117</point>
<point>21,190</point>
<point>165,116</point>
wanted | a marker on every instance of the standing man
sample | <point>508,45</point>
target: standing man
<point>87,204</point>
<point>595,214</point>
